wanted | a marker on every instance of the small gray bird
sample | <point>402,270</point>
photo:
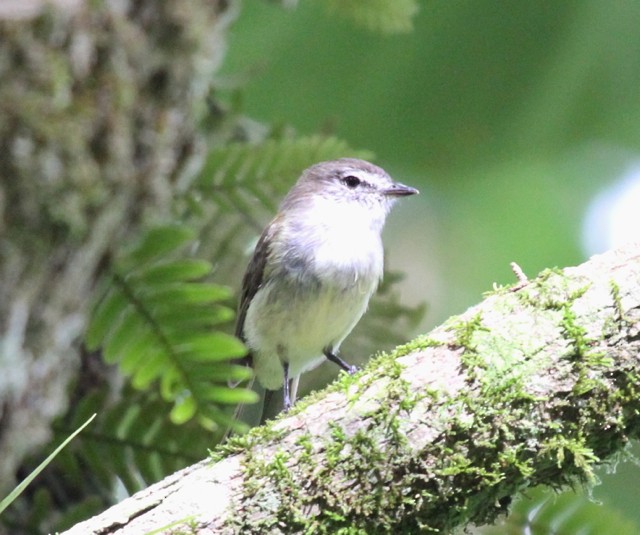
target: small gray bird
<point>314,269</point>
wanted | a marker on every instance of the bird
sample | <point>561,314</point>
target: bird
<point>313,271</point>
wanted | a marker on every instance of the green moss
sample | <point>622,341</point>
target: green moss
<point>554,291</point>
<point>417,344</point>
<point>305,442</point>
<point>499,290</point>
<point>378,461</point>
<point>574,332</point>
<point>583,354</point>
<point>563,449</point>
<point>617,301</point>
<point>465,333</point>
<point>498,409</point>
<point>551,290</point>
<point>240,443</point>
<point>465,329</point>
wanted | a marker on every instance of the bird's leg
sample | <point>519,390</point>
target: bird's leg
<point>350,369</point>
<point>293,389</point>
<point>285,388</point>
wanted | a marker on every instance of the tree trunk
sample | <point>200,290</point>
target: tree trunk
<point>535,385</point>
<point>99,109</point>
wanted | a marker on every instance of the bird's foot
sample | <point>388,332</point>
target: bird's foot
<point>351,369</point>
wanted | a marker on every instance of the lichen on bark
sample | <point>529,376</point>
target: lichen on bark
<point>100,108</point>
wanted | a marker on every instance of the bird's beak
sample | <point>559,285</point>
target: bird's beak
<point>400,190</point>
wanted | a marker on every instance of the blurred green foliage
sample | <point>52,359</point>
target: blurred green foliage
<point>509,116</point>
<point>475,83</point>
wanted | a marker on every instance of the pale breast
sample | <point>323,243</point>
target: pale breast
<point>297,326</point>
<point>323,273</point>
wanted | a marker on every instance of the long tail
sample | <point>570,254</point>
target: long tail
<point>250,414</point>
<point>269,405</point>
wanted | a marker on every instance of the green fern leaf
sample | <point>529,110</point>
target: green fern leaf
<point>378,15</point>
<point>103,318</point>
<point>132,442</point>
<point>150,370</point>
<point>173,271</point>
<point>184,294</point>
<point>171,384</point>
<point>209,347</point>
<point>136,352</point>
<point>158,242</point>
<point>205,317</point>
<point>223,371</point>
<point>158,323</point>
<point>183,410</point>
<point>232,396</point>
<point>123,334</point>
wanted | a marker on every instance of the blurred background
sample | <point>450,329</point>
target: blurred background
<point>518,121</point>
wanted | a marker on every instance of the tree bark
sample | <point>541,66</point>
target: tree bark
<point>100,104</point>
<point>536,385</point>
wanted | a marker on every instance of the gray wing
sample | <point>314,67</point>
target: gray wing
<point>254,277</point>
<point>251,283</point>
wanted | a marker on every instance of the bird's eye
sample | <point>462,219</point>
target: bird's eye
<point>351,181</point>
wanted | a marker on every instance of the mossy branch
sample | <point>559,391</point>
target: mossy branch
<point>536,385</point>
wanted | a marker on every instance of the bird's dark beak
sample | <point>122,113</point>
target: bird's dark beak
<point>400,190</point>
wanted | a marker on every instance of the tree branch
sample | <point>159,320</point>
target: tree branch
<point>535,385</point>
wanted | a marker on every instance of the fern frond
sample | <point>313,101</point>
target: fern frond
<point>378,15</point>
<point>157,321</point>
